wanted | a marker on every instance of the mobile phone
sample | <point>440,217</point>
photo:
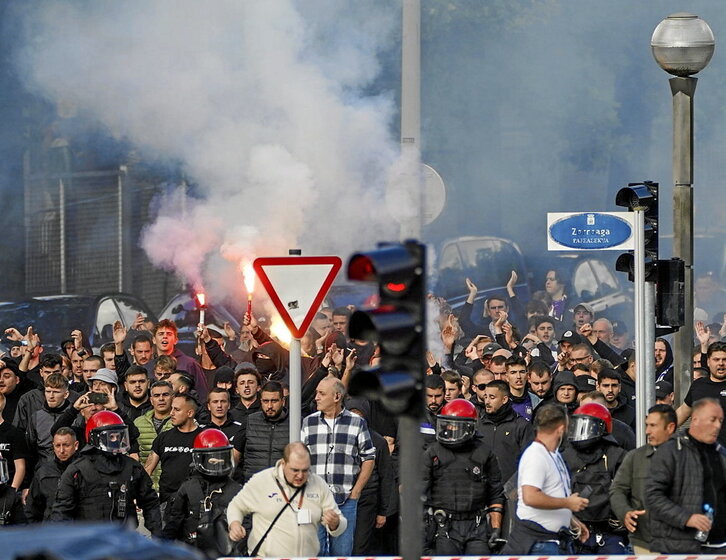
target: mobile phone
<point>98,398</point>
<point>586,492</point>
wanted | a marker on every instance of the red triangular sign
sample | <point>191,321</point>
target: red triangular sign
<point>297,286</point>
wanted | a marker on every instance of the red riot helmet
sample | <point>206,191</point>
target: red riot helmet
<point>106,431</point>
<point>212,453</point>
<point>589,423</point>
<point>456,422</point>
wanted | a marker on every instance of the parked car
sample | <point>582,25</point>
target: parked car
<point>183,310</point>
<point>488,262</point>
<point>591,279</point>
<point>54,317</point>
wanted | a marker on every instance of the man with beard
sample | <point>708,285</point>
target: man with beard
<point>135,398</point>
<point>663,360</point>
<point>504,431</point>
<point>594,457</point>
<point>523,402</point>
<point>270,493</point>
<point>539,379</point>
<point>713,386</point>
<point>262,441</point>
<point>104,483</point>
<point>608,383</point>
<point>173,448</point>
<point>435,389</point>
<point>44,486</point>
<point>12,386</point>
<point>247,384</point>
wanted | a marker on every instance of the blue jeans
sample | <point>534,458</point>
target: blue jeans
<point>342,545</point>
<point>544,548</point>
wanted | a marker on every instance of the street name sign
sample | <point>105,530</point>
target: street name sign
<point>590,231</point>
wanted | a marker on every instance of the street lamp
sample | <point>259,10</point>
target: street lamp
<point>683,45</point>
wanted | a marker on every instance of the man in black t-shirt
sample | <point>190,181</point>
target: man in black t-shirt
<point>173,448</point>
<point>13,448</point>
<point>713,386</point>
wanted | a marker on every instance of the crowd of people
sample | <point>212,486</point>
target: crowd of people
<point>528,434</point>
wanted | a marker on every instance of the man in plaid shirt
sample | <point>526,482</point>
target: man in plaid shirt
<point>343,454</point>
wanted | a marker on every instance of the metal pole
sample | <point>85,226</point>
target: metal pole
<point>410,536</point>
<point>683,90</point>
<point>120,231</point>
<point>62,249</point>
<point>643,375</point>
<point>295,397</point>
<point>411,113</point>
<point>648,342</point>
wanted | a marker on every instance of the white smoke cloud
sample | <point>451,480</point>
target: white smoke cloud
<point>262,102</point>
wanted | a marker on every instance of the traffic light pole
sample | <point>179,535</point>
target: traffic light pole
<point>410,534</point>
<point>643,374</point>
<point>648,343</point>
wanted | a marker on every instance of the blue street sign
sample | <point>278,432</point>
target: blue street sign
<point>589,231</point>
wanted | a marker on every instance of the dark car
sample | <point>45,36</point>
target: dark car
<point>54,317</point>
<point>488,262</point>
<point>184,311</point>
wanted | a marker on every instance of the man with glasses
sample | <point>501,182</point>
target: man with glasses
<point>152,422</point>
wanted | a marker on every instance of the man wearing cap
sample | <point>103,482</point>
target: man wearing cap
<point>620,340</point>
<point>582,314</point>
<point>565,345</point>
<point>664,393</point>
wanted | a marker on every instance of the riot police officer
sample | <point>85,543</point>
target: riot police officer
<point>198,513</point>
<point>464,492</point>
<point>11,506</point>
<point>104,483</point>
<point>594,457</point>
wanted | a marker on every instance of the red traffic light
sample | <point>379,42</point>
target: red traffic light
<point>361,268</point>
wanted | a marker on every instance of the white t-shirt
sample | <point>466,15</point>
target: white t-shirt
<point>548,472</point>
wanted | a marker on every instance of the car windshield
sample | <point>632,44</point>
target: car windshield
<point>53,320</point>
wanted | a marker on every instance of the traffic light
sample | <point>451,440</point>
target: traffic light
<point>641,196</point>
<point>670,301</point>
<point>397,325</point>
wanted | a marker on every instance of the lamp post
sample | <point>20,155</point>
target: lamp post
<point>683,45</point>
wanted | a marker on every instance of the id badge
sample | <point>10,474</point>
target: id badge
<point>303,517</point>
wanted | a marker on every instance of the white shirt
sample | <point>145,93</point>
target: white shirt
<point>547,471</point>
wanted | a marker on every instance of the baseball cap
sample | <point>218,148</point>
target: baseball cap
<point>585,383</point>
<point>586,306</point>
<point>491,348</point>
<point>663,389</point>
<point>571,337</point>
<point>619,327</point>
<point>106,375</point>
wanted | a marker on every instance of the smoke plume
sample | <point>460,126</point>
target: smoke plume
<point>265,105</point>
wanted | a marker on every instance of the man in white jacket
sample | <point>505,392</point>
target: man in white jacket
<point>306,500</point>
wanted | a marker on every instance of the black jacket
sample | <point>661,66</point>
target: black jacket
<point>507,434</point>
<point>102,487</point>
<point>673,493</point>
<point>43,489</point>
<point>262,443</point>
<point>186,519</point>
<point>624,411</point>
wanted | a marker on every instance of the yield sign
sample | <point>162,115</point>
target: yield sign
<point>297,286</point>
